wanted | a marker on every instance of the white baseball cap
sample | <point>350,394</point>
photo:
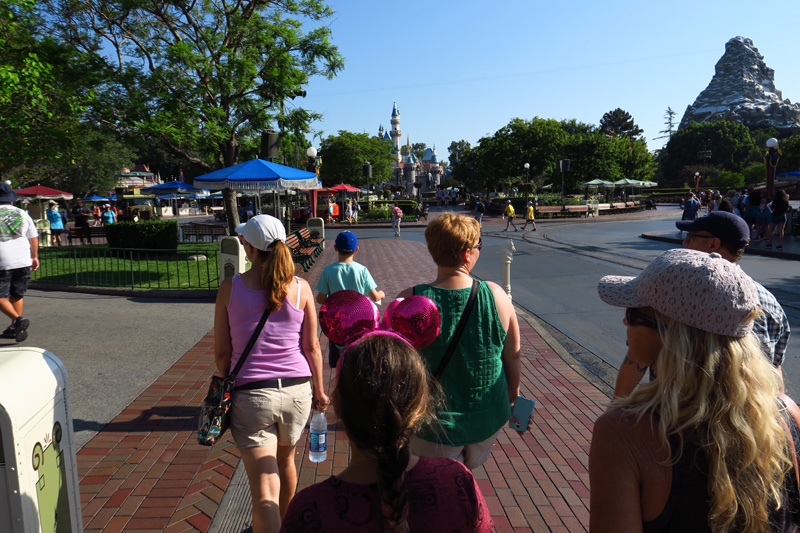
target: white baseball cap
<point>699,289</point>
<point>262,231</point>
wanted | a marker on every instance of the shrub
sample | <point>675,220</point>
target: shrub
<point>150,234</point>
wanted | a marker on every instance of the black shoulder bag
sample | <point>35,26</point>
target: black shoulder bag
<point>462,323</point>
<point>215,416</point>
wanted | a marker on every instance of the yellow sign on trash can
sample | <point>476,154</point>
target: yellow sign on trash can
<point>38,468</point>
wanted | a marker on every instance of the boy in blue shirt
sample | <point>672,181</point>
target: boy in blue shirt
<point>346,274</point>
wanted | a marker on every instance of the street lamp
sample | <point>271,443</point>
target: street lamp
<point>527,179</point>
<point>697,183</point>
<point>563,165</point>
<point>771,162</point>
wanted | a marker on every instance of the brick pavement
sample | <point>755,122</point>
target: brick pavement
<point>144,471</point>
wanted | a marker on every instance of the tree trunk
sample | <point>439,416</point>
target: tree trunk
<point>231,209</point>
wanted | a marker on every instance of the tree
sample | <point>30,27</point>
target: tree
<point>634,159</point>
<point>574,127</point>
<point>619,122</point>
<point>591,156</point>
<point>730,144</point>
<point>344,156</point>
<point>669,123</point>
<point>790,155</point>
<point>199,77</point>
<point>85,166</point>
<point>455,150</point>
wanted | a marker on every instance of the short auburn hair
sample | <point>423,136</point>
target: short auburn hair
<point>449,235</point>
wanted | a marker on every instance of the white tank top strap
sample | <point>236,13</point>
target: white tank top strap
<point>297,305</point>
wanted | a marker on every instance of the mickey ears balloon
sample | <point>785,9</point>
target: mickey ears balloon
<point>346,316</point>
<point>417,320</point>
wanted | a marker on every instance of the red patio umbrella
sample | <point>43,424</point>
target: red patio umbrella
<point>343,188</point>
<point>40,192</point>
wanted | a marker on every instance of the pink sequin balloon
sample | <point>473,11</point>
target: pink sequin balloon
<point>347,315</point>
<point>386,323</point>
<point>417,319</point>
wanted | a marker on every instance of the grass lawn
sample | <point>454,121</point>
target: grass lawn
<point>99,266</point>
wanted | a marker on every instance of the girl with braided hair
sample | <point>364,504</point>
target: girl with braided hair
<point>382,397</point>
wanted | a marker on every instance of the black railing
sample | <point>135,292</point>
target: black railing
<point>129,268</point>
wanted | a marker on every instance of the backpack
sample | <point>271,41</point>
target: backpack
<point>398,212</point>
<point>481,208</point>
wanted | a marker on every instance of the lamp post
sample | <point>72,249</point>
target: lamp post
<point>697,183</point>
<point>771,162</point>
<point>563,165</point>
<point>311,152</point>
<point>527,179</point>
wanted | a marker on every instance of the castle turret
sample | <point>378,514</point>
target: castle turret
<point>396,133</point>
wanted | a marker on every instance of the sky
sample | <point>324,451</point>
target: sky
<point>461,70</point>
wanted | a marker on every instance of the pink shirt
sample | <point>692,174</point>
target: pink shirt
<point>278,351</point>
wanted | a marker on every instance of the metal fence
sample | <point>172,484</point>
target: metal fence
<point>129,268</point>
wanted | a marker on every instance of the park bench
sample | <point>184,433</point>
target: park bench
<point>95,233</point>
<point>308,240</point>
<point>304,255</point>
<point>202,232</point>
<point>218,212</point>
<point>552,211</point>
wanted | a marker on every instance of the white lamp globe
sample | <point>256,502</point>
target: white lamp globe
<point>311,152</point>
<point>527,166</point>
<point>772,142</point>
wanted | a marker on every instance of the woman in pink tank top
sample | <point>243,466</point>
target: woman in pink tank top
<point>282,375</point>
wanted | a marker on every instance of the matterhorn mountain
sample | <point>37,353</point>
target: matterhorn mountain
<point>743,90</point>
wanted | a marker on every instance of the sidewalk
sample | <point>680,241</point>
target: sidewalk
<point>145,472</point>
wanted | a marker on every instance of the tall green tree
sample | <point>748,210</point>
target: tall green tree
<point>790,154</point>
<point>202,76</point>
<point>619,122</point>
<point>730,143</point>
<point>343,157</point>
<point>669,124</point>
<point>455,150</point>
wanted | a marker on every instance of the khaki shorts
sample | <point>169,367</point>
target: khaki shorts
<point>264,417</point>
<point>472,455</point>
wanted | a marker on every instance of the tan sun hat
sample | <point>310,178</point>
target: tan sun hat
<point>699,289</point>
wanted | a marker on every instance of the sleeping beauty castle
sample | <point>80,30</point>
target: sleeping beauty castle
<point>408,168</point>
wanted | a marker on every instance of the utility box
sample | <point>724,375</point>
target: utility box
<point>232,259</point>
<point>38,468</point>
<point>43,227</point>
<point>316,227</point>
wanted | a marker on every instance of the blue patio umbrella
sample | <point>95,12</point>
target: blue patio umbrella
<point>793,175</point>
<point>173,187</point>
<point>94,198</point>
<point>259,175</point>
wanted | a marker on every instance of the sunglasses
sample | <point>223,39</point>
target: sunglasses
<point>635,317</point>
<point>480,243</point>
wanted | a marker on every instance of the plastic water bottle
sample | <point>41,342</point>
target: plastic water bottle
<point>318,447</point>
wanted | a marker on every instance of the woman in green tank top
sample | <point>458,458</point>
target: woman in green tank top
<point>481,381</point>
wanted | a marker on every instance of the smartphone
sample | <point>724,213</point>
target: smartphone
<point>523,409</point>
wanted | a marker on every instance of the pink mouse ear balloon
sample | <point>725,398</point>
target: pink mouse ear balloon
<point>386,323</point>
<point>416,319</point>
<point>347,315</point>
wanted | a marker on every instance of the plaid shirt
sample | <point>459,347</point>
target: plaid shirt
<point>772,327</point>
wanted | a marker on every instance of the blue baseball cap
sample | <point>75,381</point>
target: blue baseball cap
<point>347,242</point>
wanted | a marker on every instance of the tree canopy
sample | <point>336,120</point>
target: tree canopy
<point>619,122</point>
<point>498,160</point>
<point>201,77</point>
<point>343,157</point>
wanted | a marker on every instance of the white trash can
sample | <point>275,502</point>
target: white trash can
<point>38,467</point>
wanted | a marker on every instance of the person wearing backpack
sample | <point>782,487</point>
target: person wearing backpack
<point>397,216</point>
<point>480,209</point>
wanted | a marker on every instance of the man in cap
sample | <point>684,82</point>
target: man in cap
<point>509,214</point>
<point>728,235</point>
<point>19,255</point>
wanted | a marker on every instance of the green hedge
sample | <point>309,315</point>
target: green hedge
<point>149,234</point>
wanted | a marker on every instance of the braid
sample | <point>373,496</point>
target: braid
<point>392,488</point>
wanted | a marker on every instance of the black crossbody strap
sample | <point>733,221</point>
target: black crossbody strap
<point>462,323</point>
<point>253,338</point>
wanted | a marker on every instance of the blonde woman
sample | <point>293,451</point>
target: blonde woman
<point>705,446</point>
<point>274,393</point>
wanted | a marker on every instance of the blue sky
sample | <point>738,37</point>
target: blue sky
<point>463,69</point>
